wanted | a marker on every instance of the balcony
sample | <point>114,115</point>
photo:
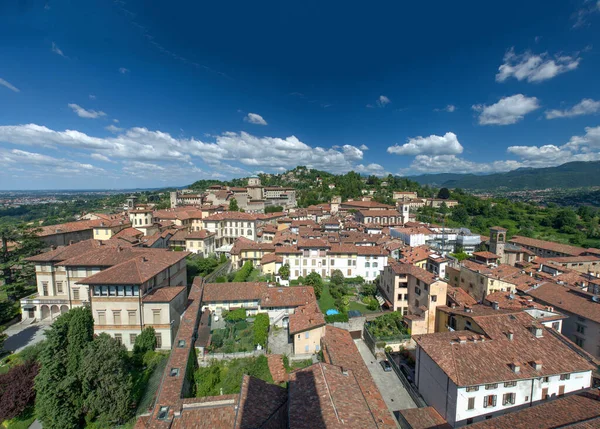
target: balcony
<point>36,299</point>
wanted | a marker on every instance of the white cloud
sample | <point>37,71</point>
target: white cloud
<point>57,50</point>
<point>509,110</point>
<point>581,15</point>
<point>92,97</point>
<point>383,101</point>
<point>374,169</point>
<point>449,108</point>
<point>254,118</point>
<point>113,129</point>
<point>116,121</point>
<point>21,157</point>
<point>534,67</point>
<point>447,144</point>
<point>363,147</point>
<point>9,85</point>
<point>83,113</point>
<point>454,164</point>
<point>123,70</point>
<point>143,145</point>
<point>587,106</point>
<point>100,157</point>
<point>587,142</point>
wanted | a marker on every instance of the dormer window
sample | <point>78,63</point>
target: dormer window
<point>174,372</point>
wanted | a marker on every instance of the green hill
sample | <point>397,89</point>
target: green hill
<point>569,175</point>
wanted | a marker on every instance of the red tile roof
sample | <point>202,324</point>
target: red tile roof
<point>568,299</point>
<point>164,294</point>
<point>66,252</point>
<point>232,216</point>
<point>236,291</point>
<point>548,245</point>
<point>424,418</point>
<point>480,362</point>
<point>486,255</point>
<point>62,228</point>
<point>305,318</point>
<point>294,296</point>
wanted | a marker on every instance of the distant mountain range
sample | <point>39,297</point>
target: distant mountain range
<point>569,175</point>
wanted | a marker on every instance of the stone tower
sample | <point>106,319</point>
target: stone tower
<point>497,240</point>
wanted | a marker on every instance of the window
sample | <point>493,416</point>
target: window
<point>565,376</point>
<point>112,290</point>
<point>580,329</point>
<point>45,288</point>
<point>163,413</point>
<point>471,405</point>
<point>349,272</point>
<point>174,372</point>
<point>119,338</point>
<point>367,265</point>
<point>132,318</point>
<point>374,264</point>
<point>102,317</point>
<point>489,401</point>
<point>306,335</point>
<point>156,317</point>
<point>132,338</point>
<point>417,291</point>
<point>561,390</point>
<point>491,386</point>
<point>556,325</point>
<point>306,348</point>
<point>545,393</point>
<point>433,298</point>
<point>472,388</point>
<point>546,380</point>
<point>508,399</point>
<point>117,317</point>
<point>76,294</point>
<point>158,340</point>
<point>59,287</point>
<point>579,341</point>
<point>510,384</point>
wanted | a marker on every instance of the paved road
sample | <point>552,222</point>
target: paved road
<point>395,395</point>
<point>21,336</point>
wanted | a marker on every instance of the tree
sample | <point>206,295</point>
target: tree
<point>261,329</point>
<point>273,209</point>
<point>314,279</point>
<point>460,215</point>
<point>284,272</point>
<point>337,277</point>
<point>443,194</point>
<point>564,219</point>
<point>236,315</point>
<point>16,389</point>
<point>369,289</point>
<point>233,205</point>
<point>145,342</point>
<point>79,334</point>
<point>106,385</point>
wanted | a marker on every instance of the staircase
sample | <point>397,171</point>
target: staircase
<point>380,299</point>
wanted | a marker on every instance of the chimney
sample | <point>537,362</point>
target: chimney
<point>344,371</point>
<point>71,242</point>
<point>462,339</point>
<point>537,364</point>
<point>516,367</point>
<point>537,331</point>
<point>510,335</point>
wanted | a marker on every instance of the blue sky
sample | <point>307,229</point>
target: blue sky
<point>101,94</point>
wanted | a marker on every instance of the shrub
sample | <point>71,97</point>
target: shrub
<point>261,329</point>
<point>341,317</point>
<point>236,315</point>
<point>16,389</point>
<point>145,342</point>
<point>244,272</point>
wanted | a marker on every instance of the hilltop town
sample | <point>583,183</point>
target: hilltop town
<point>348,313</point>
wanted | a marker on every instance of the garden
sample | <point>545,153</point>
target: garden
<point>241,333</point>
<point>388,326</point>
<point>224,377</point>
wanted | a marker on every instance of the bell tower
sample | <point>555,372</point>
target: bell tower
<point>497,240</point>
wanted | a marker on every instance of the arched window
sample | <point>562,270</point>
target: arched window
<point>374,264</point>
<point>249,232</point>
<point>367,264</point>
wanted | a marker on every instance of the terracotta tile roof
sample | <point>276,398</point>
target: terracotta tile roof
<point>486,255</point>
<point>284,250</point>
<point>401,268</point>
<point>232,216</point>
<point>137,270</point>
<point>568,259</point>
<point>260,402</point>
<point>66,252</point>
<point>567,299</point>
<point>313,243</point>
<point>288,296</point>
<point>512,301</point>
<point>277,369</point>
<point>128,232</point>
<point>339,349</point>
<point>379,213</point>
<point>415,230</point>
<point>424,418</point>
<point>569,411</point>
<point>548,245</point>
<point>325,396</point>
<point>459,296</point>
<point>105,256</point>
<point>305,318</point>
<point>238,291</point>
<point>208,413</point>
<point>62,228</point>
<point>271,257</point>
<point>365,205</point>
<point>410,255</point>
<point>488,361</point>
<point>243,243</point>
<point>164,294</point>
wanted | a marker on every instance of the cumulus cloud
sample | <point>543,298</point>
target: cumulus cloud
<point>363,147</point>
<point>144,145</point>
<point>587,106</point>
<point>100,157</point>
<point>21,157</point>
<point>447,144</point>
<point>57,50</point>
<point>588,142</point>
<point>123,70</point>
<point>113,129</point>
<point>255,118</point>
<point>83,113</point>
<point>454,164</point>
<point>374,169</point>
<point>509,110</point>
<point>9,85</point>
<point>449,108</point>
<point>534,67</point>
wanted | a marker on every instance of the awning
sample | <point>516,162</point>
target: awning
<point>28,307</point>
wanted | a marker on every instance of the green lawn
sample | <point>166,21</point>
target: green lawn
<point>21,422</point>
<point>326,301</point>
<point>355,305</point>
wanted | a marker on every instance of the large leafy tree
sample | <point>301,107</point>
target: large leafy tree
<point>145,342</point>
<point>314,279</point>
<point>284,272</point>
<point>27,244</point>
<point>233,205</point>
<point>106,385</point>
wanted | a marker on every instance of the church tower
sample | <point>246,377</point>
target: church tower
<point>497,240</point>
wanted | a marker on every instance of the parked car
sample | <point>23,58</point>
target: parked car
<point>408,372</point>
<point>385,364</point>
